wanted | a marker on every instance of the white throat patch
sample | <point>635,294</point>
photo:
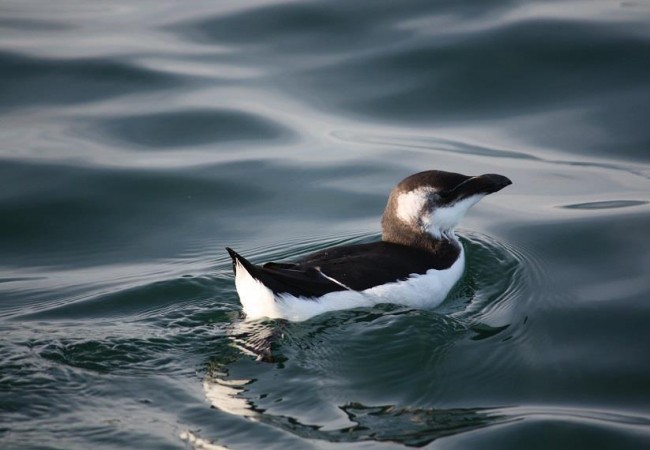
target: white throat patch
<point>444,219</point>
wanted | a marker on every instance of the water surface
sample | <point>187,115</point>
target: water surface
<point>138,140</point>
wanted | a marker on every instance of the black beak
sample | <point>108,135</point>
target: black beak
<point>491,182</point>
<point>483,184</point>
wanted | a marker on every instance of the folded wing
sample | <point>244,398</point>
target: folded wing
<point>284,278</point>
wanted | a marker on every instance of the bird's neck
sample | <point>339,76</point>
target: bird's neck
<point>431,240</point>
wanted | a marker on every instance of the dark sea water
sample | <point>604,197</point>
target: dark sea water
<point>138,139</point>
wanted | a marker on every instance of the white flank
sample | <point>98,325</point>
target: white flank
<point>418,291</point>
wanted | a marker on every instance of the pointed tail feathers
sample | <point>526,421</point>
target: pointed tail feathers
<point>256,272</point>
<point>237,258</point>
<point>286,278</point>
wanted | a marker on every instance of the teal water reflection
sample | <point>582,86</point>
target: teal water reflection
<point>138,140</point>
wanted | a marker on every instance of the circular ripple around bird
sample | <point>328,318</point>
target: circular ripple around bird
<point>370,369</point>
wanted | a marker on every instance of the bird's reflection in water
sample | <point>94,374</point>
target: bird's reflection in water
<point>413,427</point>
<point>408,426</point>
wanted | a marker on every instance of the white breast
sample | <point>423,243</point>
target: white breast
<point>418,291</point>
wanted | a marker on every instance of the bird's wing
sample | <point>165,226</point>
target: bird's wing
<point>353,267</point>
<point>364,266</point>
<point>283,278</point>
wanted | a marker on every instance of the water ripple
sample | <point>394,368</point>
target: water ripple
<point>140,138</point>
<point>609,204</point>
<point>179,128</point>
<point>28,81</point>
<point>350,353</point>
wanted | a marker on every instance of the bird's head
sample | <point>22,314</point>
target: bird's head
<point>434,202</point>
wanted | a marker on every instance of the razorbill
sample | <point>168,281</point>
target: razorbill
<point>416,263</point>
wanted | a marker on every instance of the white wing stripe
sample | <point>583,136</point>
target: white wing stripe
<point>334,281</point>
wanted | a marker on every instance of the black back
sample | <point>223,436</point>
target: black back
<point>355,267</point>
<point>364,266</point>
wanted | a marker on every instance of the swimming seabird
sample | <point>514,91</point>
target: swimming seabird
<point>416,263</point>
